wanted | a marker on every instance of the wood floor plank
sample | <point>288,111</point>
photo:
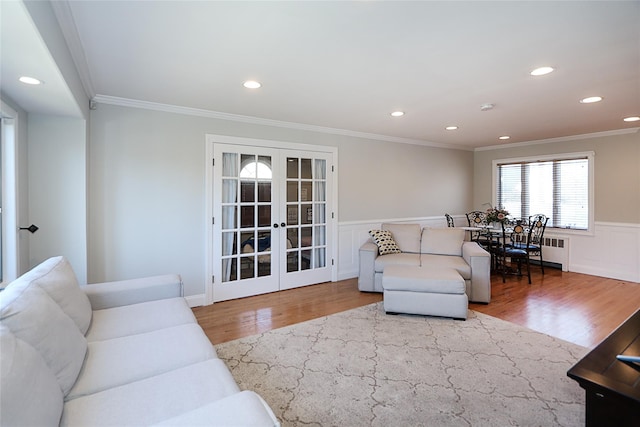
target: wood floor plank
<point>229,320</point>
<point>575,307</point>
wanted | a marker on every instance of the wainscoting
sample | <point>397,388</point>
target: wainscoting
<point>613,251</point>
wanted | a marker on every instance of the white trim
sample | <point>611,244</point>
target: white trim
<point>176,109</point>
<point>62,11</point>
<point>590,155</point>
<point>546,157</point>
<point>210,141</point>
<point>399,220</point>
<point>196,300</point>
<point>208,219</point>
<point>10,242</point>
<point>334,217</point>
<point>561,139</point>
<point>268,143</point>
<point>617,224</point>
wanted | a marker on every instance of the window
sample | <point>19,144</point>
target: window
<point>260,169</point>
<point>559,186</point>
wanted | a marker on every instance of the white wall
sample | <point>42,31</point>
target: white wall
<point>57,190</point>
<point>147,183</point>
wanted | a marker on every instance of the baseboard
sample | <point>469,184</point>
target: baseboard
<point>350,274</point>
<point>195,300</point>
<point>547,264</point>
<point>604,272</point>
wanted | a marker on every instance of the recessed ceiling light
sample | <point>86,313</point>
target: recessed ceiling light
<point>591,100</point>
<point>252,84</point>
<point>542,71</point>
<point>30,80</point>
<point>397,113</point>
<point>631,119</point>
<point>451,128</point>
<point>504,137</point>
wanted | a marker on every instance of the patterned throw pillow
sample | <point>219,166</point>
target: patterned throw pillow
<point>385,242</point>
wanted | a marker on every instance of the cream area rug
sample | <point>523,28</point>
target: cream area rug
<point>365,368</point>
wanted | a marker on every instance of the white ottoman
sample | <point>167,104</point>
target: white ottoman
<point>427,291</point>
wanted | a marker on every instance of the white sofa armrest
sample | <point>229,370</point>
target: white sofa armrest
<point>480,262</point>
<point>133,291</point>
<point>368,253</point>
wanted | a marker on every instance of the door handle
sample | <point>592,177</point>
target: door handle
<point>282,224</point>
<point>275,225</point>
<point>32,228</point>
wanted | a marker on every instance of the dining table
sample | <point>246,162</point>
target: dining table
<point>495,236</point>
<point>486,228</point>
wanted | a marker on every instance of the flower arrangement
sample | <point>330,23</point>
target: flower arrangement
<point>497,215</point>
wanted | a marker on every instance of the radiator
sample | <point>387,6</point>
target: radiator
<point>555,251</point>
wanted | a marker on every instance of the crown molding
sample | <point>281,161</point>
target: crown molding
<point>561,139</point>
<point>168,108</point>
<point>67,24</point>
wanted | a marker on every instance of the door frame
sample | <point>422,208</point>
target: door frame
<point>12,250</point>
<point>210,141</point>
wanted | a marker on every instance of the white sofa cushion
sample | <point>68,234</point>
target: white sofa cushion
<point>392,259</point>
<point>119,361</point>
<point>244,409</point>
<point>139,318</point>
<point>58,280</point>
<point>29,391</point>
<point>35,318</point>
<point>407,236</point>
<point>442,241</point>
<point>445,261</point>
<point>154,399</point>
<point>427,280</point>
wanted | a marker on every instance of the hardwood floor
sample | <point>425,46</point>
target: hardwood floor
<point>575,307</point>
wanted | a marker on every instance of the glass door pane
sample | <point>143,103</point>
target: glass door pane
<point>306,212</point>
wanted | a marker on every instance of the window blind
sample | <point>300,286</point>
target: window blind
<point>558,188</point>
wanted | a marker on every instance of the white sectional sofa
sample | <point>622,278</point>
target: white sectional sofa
<point>121,354</point>
<point>428,248</point>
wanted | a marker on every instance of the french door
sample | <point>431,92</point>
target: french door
<point>272,219</point>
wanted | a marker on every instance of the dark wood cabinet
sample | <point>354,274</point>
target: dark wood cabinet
<point>612,387</point>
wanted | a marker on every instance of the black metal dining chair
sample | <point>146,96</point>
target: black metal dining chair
<point>478,219</point>
<point>538,224</point>
<point>513,235</point>
<point>450,222</point>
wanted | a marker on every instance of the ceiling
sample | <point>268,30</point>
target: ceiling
<point>345,66</point>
